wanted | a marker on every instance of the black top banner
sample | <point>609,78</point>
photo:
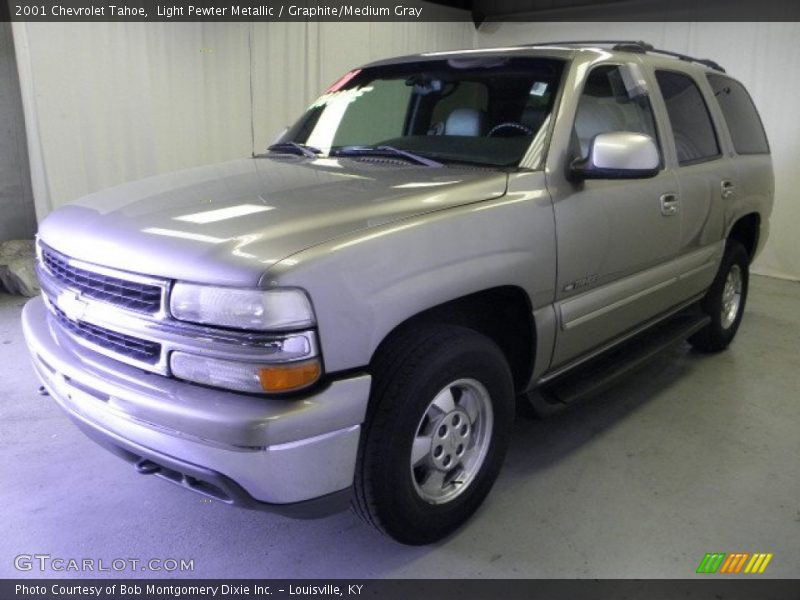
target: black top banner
<point>477,11</point>
<point>232,10</point>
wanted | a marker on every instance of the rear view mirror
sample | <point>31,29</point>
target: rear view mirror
<point>618,155</point>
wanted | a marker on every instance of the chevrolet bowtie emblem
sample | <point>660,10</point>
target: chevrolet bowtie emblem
<point>71,305</point>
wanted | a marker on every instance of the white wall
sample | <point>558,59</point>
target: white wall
<point>112,102</point>
<point>764,56</point>
<point>107,103</point>
<point>16,201</point>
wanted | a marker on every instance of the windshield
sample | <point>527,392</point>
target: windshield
<point>475,110</point>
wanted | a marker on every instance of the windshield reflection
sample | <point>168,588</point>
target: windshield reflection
<point>476,110</point>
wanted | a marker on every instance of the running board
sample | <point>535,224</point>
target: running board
<point>600,373</point>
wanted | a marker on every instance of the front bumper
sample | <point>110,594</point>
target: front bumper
<point>295,456</point>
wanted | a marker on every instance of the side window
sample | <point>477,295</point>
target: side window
<point>740,114</point>
<point>695,139</point>
<point>605,107</point>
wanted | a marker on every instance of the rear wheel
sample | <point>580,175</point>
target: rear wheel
<point>436,434</point>
<point>724,302</point>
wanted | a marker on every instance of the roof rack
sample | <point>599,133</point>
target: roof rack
<point>638,47</point>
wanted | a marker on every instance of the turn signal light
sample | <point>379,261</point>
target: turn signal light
<point>289,377</point>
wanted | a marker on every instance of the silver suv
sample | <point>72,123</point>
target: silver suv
<point>354,315</point>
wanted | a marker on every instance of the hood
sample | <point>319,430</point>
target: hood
<point>227,224</point>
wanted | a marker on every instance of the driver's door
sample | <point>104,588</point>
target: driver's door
<point>616,238</point>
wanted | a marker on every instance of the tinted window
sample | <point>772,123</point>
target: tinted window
<point>740,114</point>
<point>695,139</point>
<point>477,110</point>
<point>367,125</point>
<point>605,107</point>
<point>468,94</point>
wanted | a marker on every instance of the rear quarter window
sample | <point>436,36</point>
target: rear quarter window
<point>744,124</point>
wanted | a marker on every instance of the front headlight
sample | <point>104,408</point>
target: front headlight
<point>259,310</point>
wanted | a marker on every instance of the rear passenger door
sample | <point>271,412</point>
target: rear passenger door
<point>706,176</point>
<point>750,148</point>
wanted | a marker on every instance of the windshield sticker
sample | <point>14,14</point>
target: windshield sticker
<point>539,88</point>
<point>342,82</point>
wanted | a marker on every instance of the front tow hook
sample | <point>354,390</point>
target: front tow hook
<point>147,467</point>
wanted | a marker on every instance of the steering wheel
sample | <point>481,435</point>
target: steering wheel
<point>519,127</point>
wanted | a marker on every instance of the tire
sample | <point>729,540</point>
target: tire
<point>724,302</point>
<point>445,393</point>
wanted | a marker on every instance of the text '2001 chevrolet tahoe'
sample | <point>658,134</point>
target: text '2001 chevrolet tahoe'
<point>351,317</point>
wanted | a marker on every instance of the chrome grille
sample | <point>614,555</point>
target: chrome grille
<point>127,294</point>
<point>87,304</point>
<point>125,345</point>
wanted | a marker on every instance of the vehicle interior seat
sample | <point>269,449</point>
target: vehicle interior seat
<point>464,122</point>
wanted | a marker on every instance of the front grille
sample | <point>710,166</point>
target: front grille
<point>131,295</point>
<point>125,345</point>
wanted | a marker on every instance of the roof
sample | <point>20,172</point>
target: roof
<point>563,49</point>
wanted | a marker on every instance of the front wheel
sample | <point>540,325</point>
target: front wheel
<point>436,435</point>
<point>724,302</point>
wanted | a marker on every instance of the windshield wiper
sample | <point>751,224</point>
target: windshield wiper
<point>385,151</point>
<point>295,148</point>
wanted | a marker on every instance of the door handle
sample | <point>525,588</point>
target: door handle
<point>670,203</point>
<point>728,188</point>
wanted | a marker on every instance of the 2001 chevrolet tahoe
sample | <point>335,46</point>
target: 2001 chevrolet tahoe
<point>351,316</point>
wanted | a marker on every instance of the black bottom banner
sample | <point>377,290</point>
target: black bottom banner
<point>390,589</point>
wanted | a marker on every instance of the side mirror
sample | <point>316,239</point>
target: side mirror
<point>618,155</point>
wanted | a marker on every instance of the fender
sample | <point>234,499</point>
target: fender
<point>364,285</point>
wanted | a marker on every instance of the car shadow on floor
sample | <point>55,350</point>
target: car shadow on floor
<point>539,443</point>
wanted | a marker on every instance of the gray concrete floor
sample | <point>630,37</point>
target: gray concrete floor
<point>693,454</point>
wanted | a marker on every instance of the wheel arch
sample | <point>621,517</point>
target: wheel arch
<point>747,230</point>
<point>503,314</point>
